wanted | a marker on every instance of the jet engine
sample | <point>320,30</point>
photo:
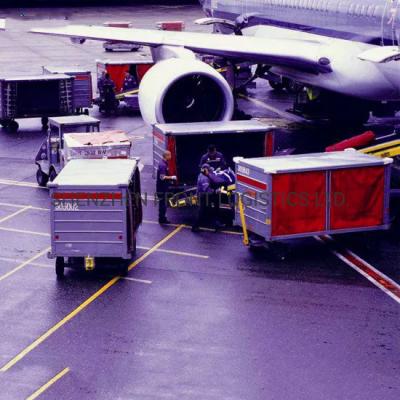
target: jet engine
<point>184,90</point>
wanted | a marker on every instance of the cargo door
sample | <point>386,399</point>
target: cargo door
<point>299,203</point>
<point>357,197</point>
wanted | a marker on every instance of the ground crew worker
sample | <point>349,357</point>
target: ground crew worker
<point>164,180</point>
<point>100,81</point>
<point>208,199</point>
<point>213,158</point>
<point>129,82</point>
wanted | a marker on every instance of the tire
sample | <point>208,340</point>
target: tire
<point>52,174</point>
<point>13,126</point>
<point>125,268</point>
<point>41,178</point>
<point>4,123</point>
<point>60,266</point>
<point>276,85</point>
<point>292,86</point>
<point>86,111</point>
<point>45,123</point>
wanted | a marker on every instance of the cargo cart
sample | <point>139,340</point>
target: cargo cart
<point>114,45</point>
<point>188,142</point>
<point>95,213</point>
<point>296,196</point>
<point>81,86</point>
<point>35,96</point>
<point>48,158</point>
<point>116,69</point>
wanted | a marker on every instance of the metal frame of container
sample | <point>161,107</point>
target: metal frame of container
<point>255,185</point>
<point>95,211</point>
<point>9,98</point>
<point>82,87</point>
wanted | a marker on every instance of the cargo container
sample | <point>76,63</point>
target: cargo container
<point>82,87</point>
<point>35,96</point>
<point>95,213</point>
<point>304,195</point>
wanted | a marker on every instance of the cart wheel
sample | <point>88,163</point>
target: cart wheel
<point>60,267</point>
<point>13,126</point>
<point>41,178</point>
<point>52,174</point>
<point>4,123</point>
<point>45,123</point>
<point>125,268</point>
<point>276,85</point>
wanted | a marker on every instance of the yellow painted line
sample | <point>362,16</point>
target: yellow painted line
<point>20,211</point>
<point>20,183</point>
<point>86,303</point>
<point>51,382</point>
<point>24,264</point>
<point>24,205</point>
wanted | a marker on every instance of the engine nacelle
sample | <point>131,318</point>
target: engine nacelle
<point>178,91</point>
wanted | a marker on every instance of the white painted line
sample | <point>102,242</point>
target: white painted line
<point>24,231</point>
<point>21,183</point>
<point>35,264</point>
<point>283,114</point>
<point>176,252</point>
<point>137,280</point>
<point>376,277</point>
<point>23,206</point>
<point>20,211</point>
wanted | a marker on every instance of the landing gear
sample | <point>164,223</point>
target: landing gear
<point>9,125</point>
<point>278,86</point>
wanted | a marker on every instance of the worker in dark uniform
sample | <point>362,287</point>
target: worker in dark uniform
<point>164,180</point>
<point>208,199</point>
<point>108,101</point>
<point>214,158</point>
<point>129,82</point>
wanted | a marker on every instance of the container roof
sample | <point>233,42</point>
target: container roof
<point>44,77</point>
<point>66,70</point>
<point>214,127</point>
<point>95,173</point>
<point>74,120</point>
<point>314,161</point>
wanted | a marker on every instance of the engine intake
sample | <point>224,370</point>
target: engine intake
<point>179,91</point>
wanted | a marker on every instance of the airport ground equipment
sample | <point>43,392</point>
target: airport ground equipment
<point>49,156</point>
<point>116,69</point>
<point>188,142</point>
<point>109,144</point>
<point>119,46</point>
<point>171,25</point>
<point>295,196</point>
<point>82,87</point>
<point>35,96</point>
<point>95,213</point>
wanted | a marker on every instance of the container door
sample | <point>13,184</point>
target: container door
<point>299,203</point>
<point>357,197</point>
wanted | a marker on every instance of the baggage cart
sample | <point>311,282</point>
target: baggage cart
<point>95,213</point>
<point>119,46</point>
<point>35,96</point>
<point>171,25</point>
<point>49,156</point>
<point>109,144</point>
<point>294,196</point>
<point>82,89</point>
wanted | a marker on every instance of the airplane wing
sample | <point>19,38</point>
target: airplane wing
<point>310,56</point>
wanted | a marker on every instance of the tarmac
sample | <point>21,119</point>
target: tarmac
<point>199,316</point>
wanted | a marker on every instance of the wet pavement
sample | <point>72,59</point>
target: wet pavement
<point>199,316</point>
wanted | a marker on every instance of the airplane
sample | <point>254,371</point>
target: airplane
<point>345,51</point>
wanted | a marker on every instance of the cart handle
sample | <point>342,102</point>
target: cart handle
<point>246,241</point>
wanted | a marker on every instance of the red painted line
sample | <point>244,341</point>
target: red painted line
<point>252,182</point>
<point>378,278</point>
